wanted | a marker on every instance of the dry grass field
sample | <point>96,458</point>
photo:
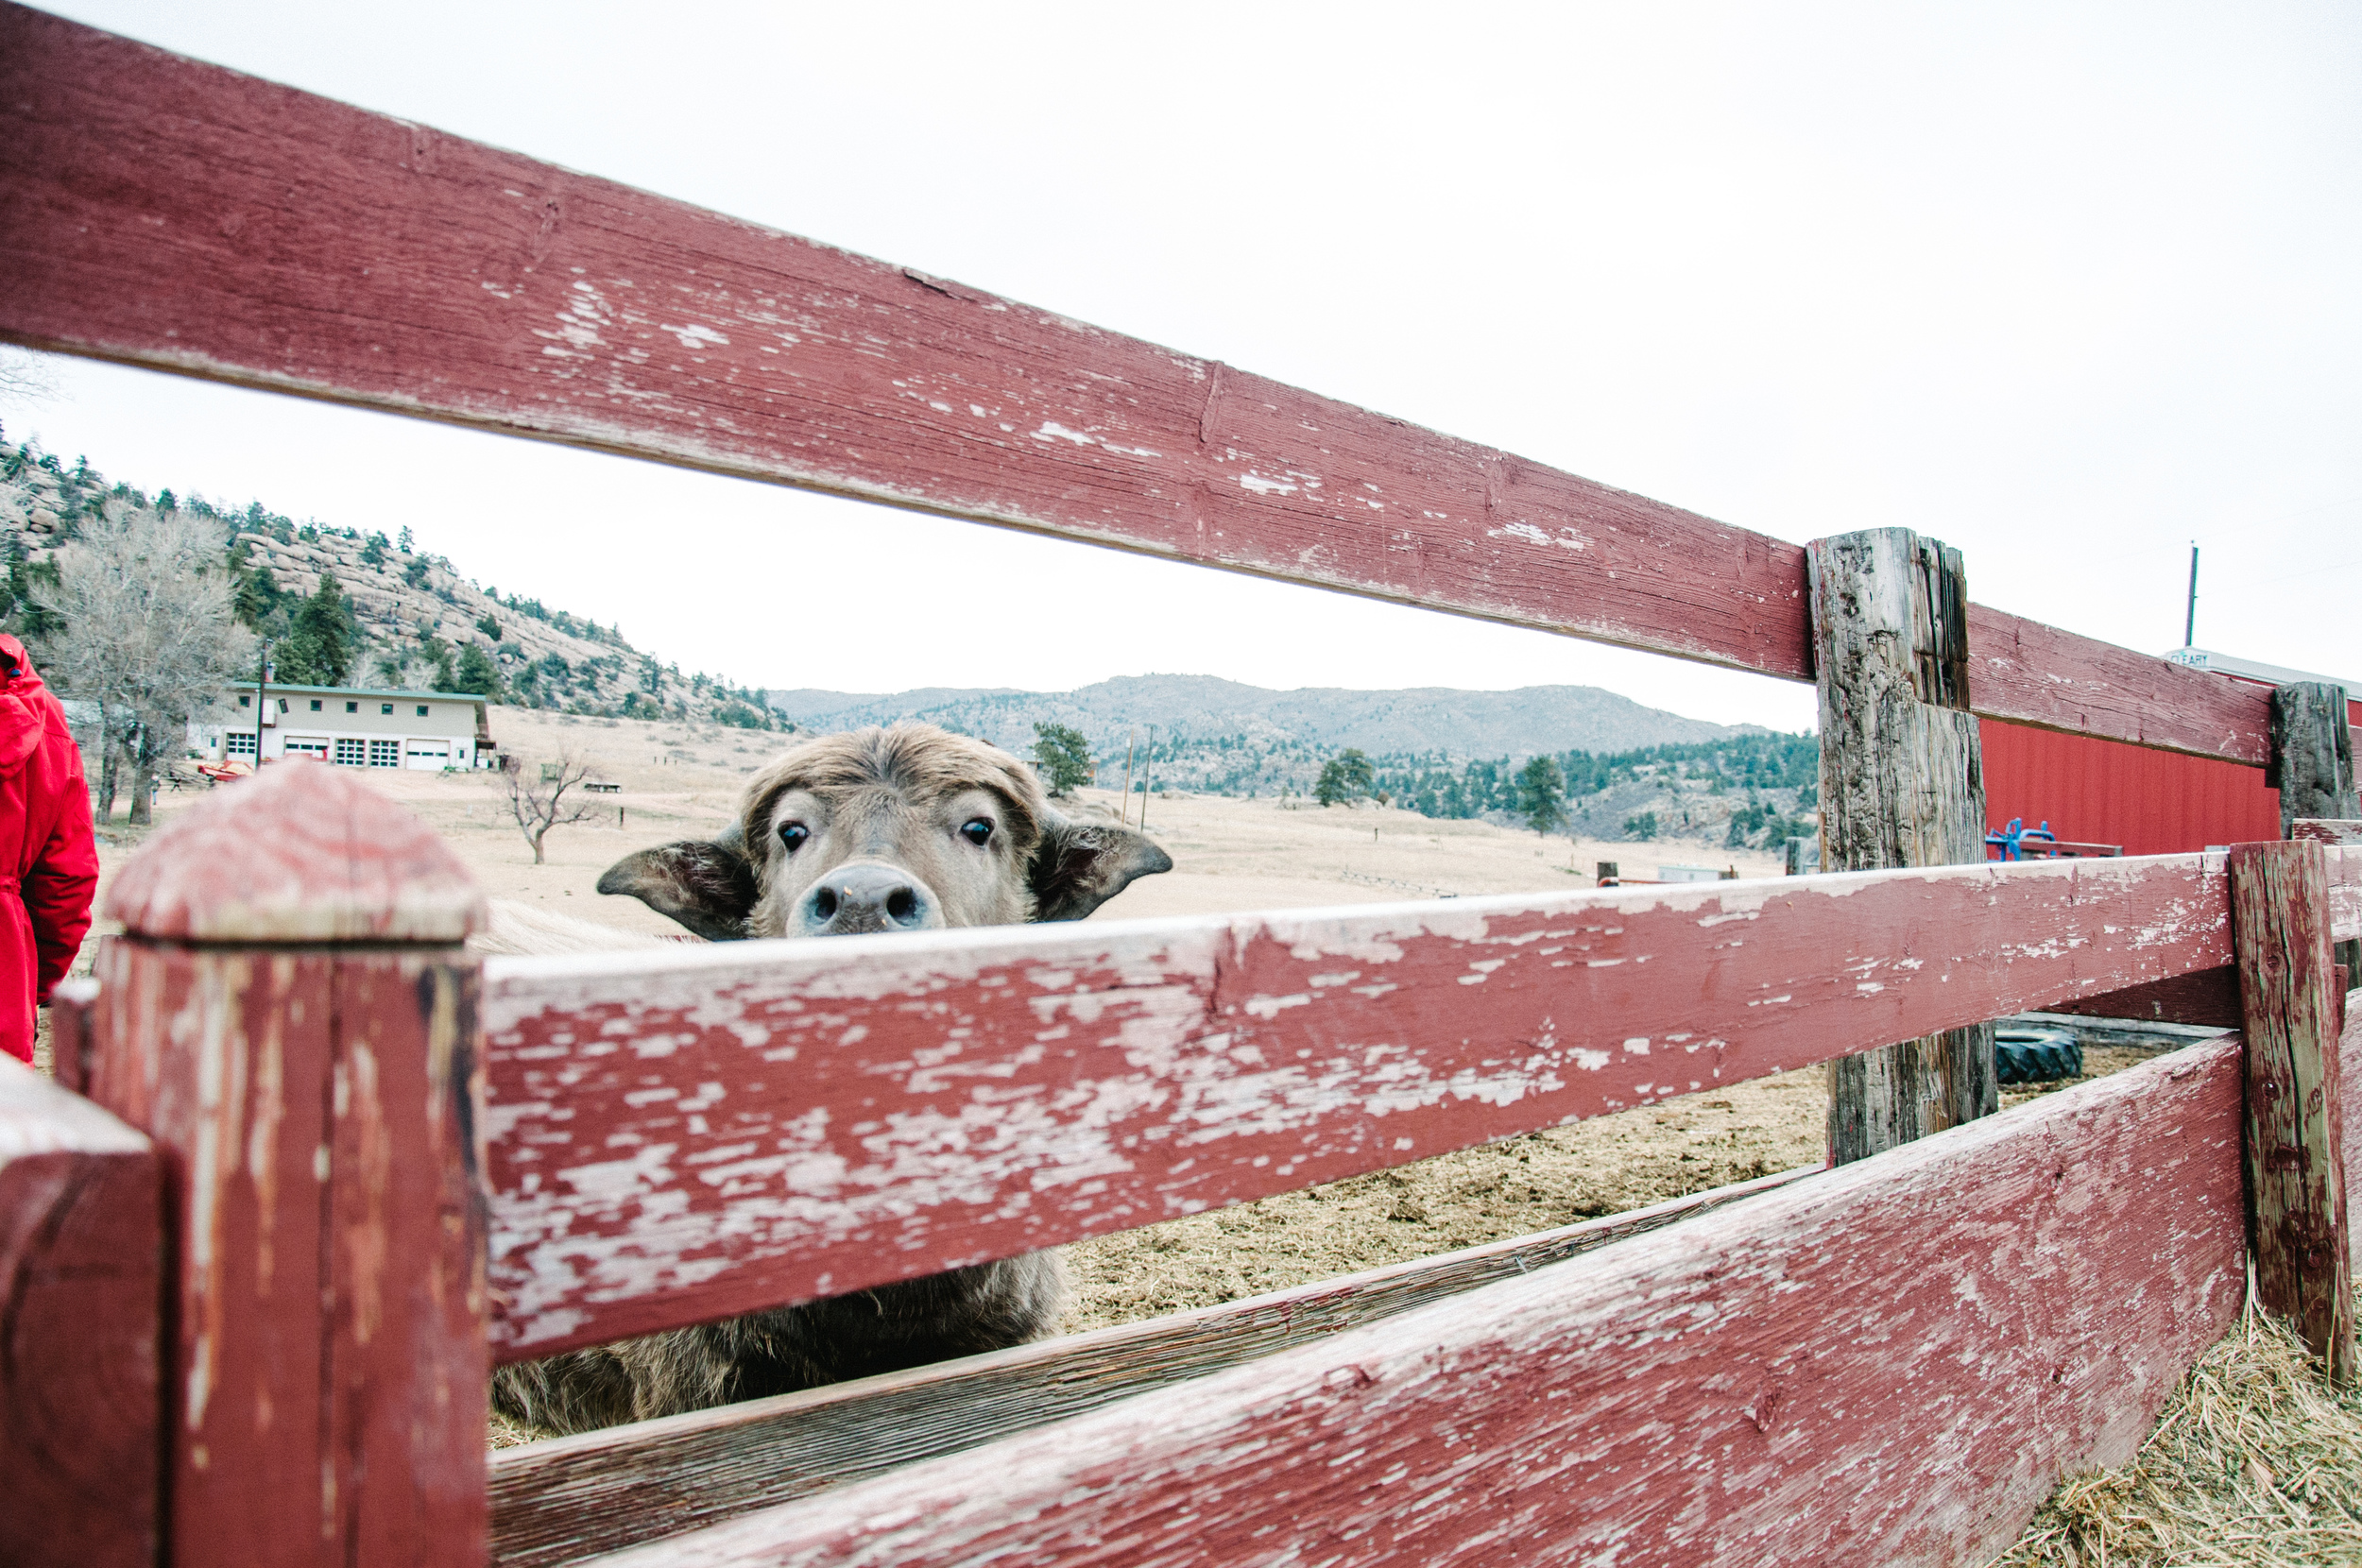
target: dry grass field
<point>680,781</point>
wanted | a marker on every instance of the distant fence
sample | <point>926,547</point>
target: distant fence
<point>1391,882</point>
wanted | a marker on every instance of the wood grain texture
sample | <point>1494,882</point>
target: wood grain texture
<point>318,857</point>
<point>171,213</point>
<point>1902,784</point>
<point>1800,1379</point>
<point>81,1279</point>
<point>2350,1069</point>
<point>1901,777</point>
<point>570,1497</point>
<point>2027,673</point>
<point>2343,866</point>
<point>160,212</point>
<point>2330,831</point>
<point>2296,1136</point>
<point>327,1376</point>
<point>684,1134</point>
<point>2312,755</point>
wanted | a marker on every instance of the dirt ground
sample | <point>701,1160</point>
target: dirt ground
<point>1605,1166</point>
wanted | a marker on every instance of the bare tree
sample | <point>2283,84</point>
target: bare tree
<point>25,378</point>
<point>540,805</point>
<point>142,601</point>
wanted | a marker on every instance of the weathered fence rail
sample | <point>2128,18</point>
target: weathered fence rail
<point>1799,1378</point>
<point>704,1131</point>
<point>81,1276</point>
<point>574,1498</point>
<point>364,1168</point>
<point>160,212</point>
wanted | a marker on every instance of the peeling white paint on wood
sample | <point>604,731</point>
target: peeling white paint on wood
<point>878,1108</point>
<point>1795,1379</point>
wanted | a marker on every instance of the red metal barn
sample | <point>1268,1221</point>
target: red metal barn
<point>2151,802</point>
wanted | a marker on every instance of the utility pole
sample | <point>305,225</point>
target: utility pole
<point>262,695</point>
<point>2189,626</point>
<point>1131,738</point>
<point>1148,767</point>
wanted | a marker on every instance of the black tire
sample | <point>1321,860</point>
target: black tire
<point>2036,1056</point>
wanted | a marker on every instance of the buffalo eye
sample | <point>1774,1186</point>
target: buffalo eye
<point>977,831</point>
<point>792,835</point>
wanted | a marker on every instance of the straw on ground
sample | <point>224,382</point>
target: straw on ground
<point>2253,1462</point>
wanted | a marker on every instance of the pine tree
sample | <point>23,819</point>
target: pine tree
<point>318,651</point>
<point>1345,777</point>
<point>1542,793</point>
<point>1064,757</point>
<point>477,673</point>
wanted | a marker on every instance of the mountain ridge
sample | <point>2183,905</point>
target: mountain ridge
<point>1218,734</point>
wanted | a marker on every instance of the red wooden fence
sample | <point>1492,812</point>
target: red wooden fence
<point>164,212</point>
<point>822,1119</point>
<point>378,1173</point>
<point>697,1133</point>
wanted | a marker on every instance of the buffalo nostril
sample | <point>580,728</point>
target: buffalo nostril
<point>902,904</point>
<point>824,904</point>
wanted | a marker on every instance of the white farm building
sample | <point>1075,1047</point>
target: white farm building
<point>349,726</point>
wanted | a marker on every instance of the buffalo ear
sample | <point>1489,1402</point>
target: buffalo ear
<point>1080,866</point>
<point>708,887</point>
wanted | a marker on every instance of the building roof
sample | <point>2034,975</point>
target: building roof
<point>284,686</point>
<point>2255,669</point>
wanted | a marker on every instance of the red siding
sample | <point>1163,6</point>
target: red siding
<point>2107,791</point>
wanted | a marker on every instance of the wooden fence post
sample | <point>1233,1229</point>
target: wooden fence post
<point>2312,755</point>
<point>291,1017</point>
<point>1902,784</point>
<point>2295,1142</point>
<point>2312,766</point>
<point>81,1255</point>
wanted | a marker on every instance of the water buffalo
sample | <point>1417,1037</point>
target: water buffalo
<point>900,829</point>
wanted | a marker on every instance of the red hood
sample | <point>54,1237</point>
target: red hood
<point>24,704</point>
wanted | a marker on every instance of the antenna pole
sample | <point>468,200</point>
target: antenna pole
<point>2190,627</point>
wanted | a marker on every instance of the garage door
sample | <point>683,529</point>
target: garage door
<point>428,753</point>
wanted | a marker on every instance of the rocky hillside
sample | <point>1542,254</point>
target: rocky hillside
<point>412,616</point>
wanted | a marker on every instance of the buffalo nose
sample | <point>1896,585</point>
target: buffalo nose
<point>857,898</point>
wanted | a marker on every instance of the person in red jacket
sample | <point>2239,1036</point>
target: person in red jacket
<point>48,858</point>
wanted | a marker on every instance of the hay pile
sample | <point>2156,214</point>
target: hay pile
<point>2252,1462</point>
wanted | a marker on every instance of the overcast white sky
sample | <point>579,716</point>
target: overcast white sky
<point>2068,288</point>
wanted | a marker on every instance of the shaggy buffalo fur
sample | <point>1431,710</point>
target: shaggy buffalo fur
<point>965,1312</point>
<point>903,799</point>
